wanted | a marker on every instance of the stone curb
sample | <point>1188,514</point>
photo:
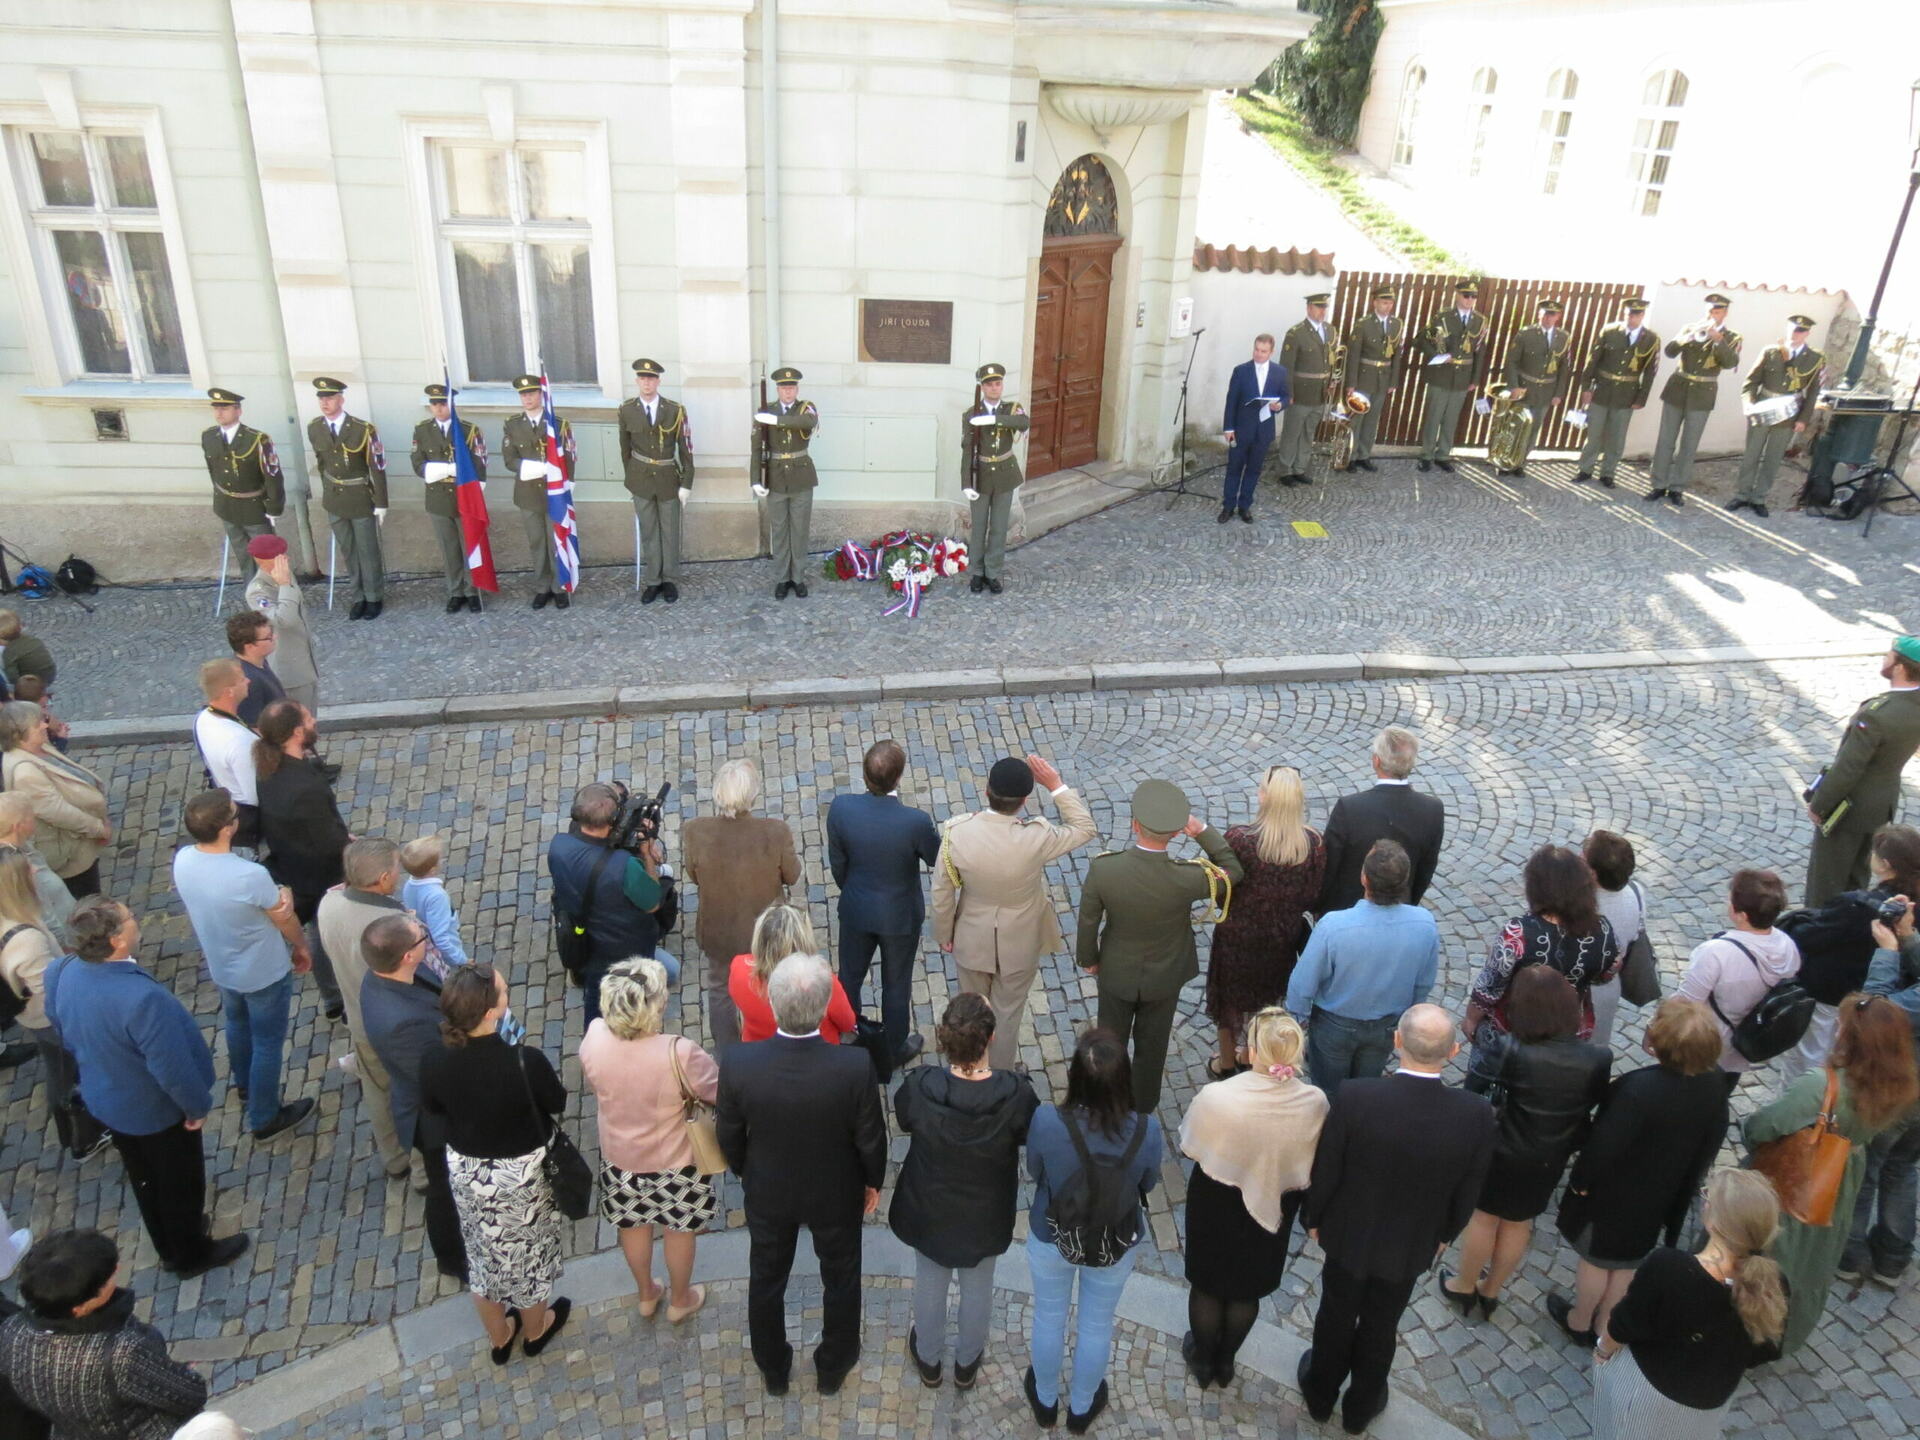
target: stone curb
<point>844,690</point>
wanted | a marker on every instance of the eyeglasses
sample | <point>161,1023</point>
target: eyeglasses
<point>418,941</point>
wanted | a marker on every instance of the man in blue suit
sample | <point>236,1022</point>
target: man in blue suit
<point>1255,394</point>
<point>875,847</point>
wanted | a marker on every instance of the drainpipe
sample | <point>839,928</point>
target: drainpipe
<point>770,175</point>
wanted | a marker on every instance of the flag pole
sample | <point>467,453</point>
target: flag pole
<point>226,552</point>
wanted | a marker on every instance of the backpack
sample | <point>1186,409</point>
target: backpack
<point>1095,1214</point>
<point>1774,1026</point>
<point>1836,945</point>
<point>12,1002</point>
<point>77,577</point>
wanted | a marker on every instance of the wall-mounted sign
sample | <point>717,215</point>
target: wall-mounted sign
<point>906,332</point>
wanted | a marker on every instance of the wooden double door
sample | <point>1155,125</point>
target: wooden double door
<point>1069,351</point>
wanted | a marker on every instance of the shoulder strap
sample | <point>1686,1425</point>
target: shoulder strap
<point>1714,1004</point>
<point>1831,1103</point>
<point>687,1096</point>
<point>526,1086</point>
<point>593,878</point>
<point>1640,898</point>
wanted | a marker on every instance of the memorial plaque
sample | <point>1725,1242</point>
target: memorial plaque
<point>906,332</point>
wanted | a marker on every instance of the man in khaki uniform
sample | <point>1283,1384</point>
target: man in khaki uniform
<point>657,456</point>
<point>1689,397</point>
<point>1537,370</point>
<point>1860,791</point>
<point>1306,354</point>
<point>353,491</point>
<point>781,436</point>
<point>1455,352</point>
<point>1617,382</point>
<point>992,909</point>
<point>248,492</point>
<point>433,462</point>
<point>1374,348</point>
<point>1792,367</point>
<point>523,448</point>
<point>993,474</point>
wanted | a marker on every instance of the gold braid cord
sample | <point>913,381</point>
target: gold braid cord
<point>1219,890</point>
<point>946,861</point>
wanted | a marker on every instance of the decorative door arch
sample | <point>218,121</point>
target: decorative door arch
<point>1082,236</point>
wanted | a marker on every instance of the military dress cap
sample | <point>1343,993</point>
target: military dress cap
<point>786,375</point>
<point>648,367</point>
<point>327,385</point>
<point>1011,779</point>
<point>1161,806</point>
<point>1466,287</point>
<point>437,391</point>
<point>1907,647</point>
<point>1801,322</point>
<point>224,397</point>
<point>1321,299</point>
<point>1718,299</point>
<point>525,383</point>
<point>1634,305</point>
<point>1553,305</point>
<point>265,547</point>
<point>990,371</point>
<point>1385,292</point>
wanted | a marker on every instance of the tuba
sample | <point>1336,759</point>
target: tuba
<point>1507,441</point>
<point>1358,403</point>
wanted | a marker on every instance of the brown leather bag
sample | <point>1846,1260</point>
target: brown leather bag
<point>1807,1167</point>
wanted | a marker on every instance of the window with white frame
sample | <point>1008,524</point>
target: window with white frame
<point>1403,133</point>
<point>515,243</point>
<point>1654,133</point>
<point>94,214</point>
<point>1480,117</point>
<point>1556,125</point>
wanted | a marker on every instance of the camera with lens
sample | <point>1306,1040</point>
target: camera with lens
<point>638,819</point>
<point>1891,911</point>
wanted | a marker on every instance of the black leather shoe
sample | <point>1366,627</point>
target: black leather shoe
<point>375,609</point>
<point>1519,472</point>
<point>1080,1424</point>
<point>1607,481</point>
<point>335,1012</point>
<point>1423,466</point>
<point>909,1049</point>
<point>1446,465</point>
<point>219,1252</point>
<point>1224,516</point>
<point>1303,479</point>
<point>965,1375</point>
<point>669,592</point>
<point>358,611</point>
<point>1321,1413</point>
<point>1759,507</point>
<point>650,594</point>
<point>800,589</point>
<point>1676,499</point>
<point>543,599</point>
<point>558,1312</point>
<point>1732,505</point>
<point>994,587</point>
<point>500,1354</point>
<point>473,603</point>
<point>1366,465</point>
<point>780,590</point>
<point>1190,1352</point>
<point>1246,517</point>
<point>1357,1424</point>
<point>776,1384</point>
<point>1048,1416</point>
<point>831,1380</point>
<point>456,604</point>
<point>929,1374</point>
<point>1654,495</point>
<point>977,584</point>
<point>1463,1302</point>
<point>289,1116</point>
<point>561,600</point>
<point>1582,478</point>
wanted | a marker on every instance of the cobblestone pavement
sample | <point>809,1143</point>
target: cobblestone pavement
<point>1699,765</point>
<point>1460,564</point>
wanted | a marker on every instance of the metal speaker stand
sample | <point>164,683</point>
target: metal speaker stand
<point>1179,491</point>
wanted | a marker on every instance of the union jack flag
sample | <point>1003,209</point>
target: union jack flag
<point>566,525</point>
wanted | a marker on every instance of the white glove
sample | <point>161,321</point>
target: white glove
<point>971,494</point>
<point>685,494</point>
<point>766,417</point>
<point>1483,406</point>
<point>554,472</point>
<point>438,470</point>
<point>533,470</point>
<point>761,491</point>
<point>379,512</point>
<point>984,420</point>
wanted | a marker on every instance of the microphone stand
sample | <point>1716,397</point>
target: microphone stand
<point>1180,490</point>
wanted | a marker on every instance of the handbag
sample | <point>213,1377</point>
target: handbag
<point>708,1158</point>
<point>568,1174</point>
<point>1808,1166</point>
<point>1640,972</point>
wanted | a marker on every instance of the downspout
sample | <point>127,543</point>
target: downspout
<point>770,176</point>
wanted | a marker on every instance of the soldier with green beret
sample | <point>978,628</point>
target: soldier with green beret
<point>993,473</point>
<point>1136,925</point>
<point>1375,351</point>
<point>1306,354</point>
<point>1860,791</point>
<point>247,485</point>
<point>1688,398</point>
<point>524,450</point>
<point>1792,368</point>
<point>781,435</point>
<point>352,465</point>
<point>1455,352</point>
<point>656,451</point>
<point>433,462</point>
<point>1617,382</point>
<point>1538,366</point>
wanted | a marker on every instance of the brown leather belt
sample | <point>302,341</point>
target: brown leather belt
<point>789,454</point>
<point>1526,379</point>
<point>1309,374</point>
<point>1612,375</point>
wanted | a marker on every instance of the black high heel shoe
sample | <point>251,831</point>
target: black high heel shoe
<point>1463,1303</point>
<point>500,1354</point>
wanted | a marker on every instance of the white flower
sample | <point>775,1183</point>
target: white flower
<point>898,570</point>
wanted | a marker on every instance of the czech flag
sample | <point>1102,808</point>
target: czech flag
<point>470,494</point>
<point>566,525</point>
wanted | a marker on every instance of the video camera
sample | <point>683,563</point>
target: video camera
<point>638,819</point>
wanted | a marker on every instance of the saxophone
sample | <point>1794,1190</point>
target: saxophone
<point>1507,441</point>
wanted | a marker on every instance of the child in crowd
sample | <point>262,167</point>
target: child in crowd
<point>425,893</point>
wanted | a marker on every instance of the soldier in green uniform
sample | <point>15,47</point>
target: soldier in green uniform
<point>523,449</point>
<point>353,491</point>
<point>1537,371</point>
<point>1689,397</point>
<point>993,474</point>
<point>433,462</point>
<point>1374,348</point>
<point>1455,352</point>
<point>1794,368</point>
<point>1306,354</point>
<point>780,439</point>
<point>247,487</point>
<point>1136,926</point>
<point>656,452</point>
<point>1860,791</point>
<point>1617,382</point>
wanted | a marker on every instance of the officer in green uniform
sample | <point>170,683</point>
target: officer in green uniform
<point>656,452</point>
<point>1617,382</point>
<point>523,449</point>
<point>433,462</point>
<point>353,491</point>
<point>993,474</point>
<point>1306,354</point>
<point>1864,778</point>
<point>247,487</point>
<point>1375,348</point>
<point>1455,352</point>
<point>1792,367</point>
<point>1689,397</point>
<point>783,476</point>
<point>1136,925</point>
<point>1537,371</point>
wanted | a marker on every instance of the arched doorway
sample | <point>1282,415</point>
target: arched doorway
<point>1070,317</point>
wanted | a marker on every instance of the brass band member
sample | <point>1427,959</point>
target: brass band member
<point>1375,354</point>
<point>1538,366</point>
<point>1689,397</point>
<point>1792,367</point>
<point>1618,379</point>
<point>1455,351</point>
<point>1306,355</point>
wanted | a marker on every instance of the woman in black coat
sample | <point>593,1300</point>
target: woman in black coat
<point>954,1201</point>
<point>300,824</point>
<point>1651,1145</point>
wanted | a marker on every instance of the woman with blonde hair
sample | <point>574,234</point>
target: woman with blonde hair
<point>27,947</point>
<point>647,1173</point>
<point>781,930</point>
<point>1690,1326</point>
<point>1255,947</point>
<point>18,826</point>
<point>1251,1139</point>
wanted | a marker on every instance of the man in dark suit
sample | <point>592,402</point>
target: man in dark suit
<point>800,1123</point>
<point>1391,810</point>
<point>1395,1179</point>
<point>875,847</point>
<point>1256,392</point>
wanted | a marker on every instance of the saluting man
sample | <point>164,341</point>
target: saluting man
<point>1689,397</point>
<point>247,487</point>
<point>353,490</point>
<point>1537,371</point>
<point>1455,351</point>
<point>782,435</point>
<point>1374,350</point>
<point>1618,380</point>
<point>1306,354</point>
<point>433,462</point>
<point>656,451</point>
<point>524,449</point>
<point>994,426</point>
<point>1864,778</point>
<point>1792,367</point>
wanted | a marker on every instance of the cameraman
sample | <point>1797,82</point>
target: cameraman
<point>610,893</point>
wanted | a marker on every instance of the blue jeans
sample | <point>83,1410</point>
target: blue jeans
<point>1100,1288</point>
<point>257,1044</point>
<point>1891,1181</point>
<point>1340,1049</point>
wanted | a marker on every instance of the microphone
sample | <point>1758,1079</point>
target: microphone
<point>1200,330</point>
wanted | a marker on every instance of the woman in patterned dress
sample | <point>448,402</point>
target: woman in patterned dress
<point>1563,927</point>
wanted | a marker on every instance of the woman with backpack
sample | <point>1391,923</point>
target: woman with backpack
<point>1092,1161</point>
<point>1732,973</point>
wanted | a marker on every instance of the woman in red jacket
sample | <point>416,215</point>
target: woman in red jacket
<point>781,930</point>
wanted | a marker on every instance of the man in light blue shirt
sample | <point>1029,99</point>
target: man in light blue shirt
<point>1361,970</point>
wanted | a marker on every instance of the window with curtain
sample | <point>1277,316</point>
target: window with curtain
<point>1480,118</point>
<point>1556,124</point>
<point>513,221</point>
<point>95,214</point>
<point>1655,130</point>
<point>1403,133</point>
